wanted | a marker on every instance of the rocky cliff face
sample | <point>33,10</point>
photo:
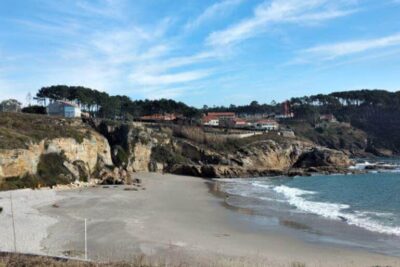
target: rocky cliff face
<point>139,148</point>
<point>94,149</point>
<point>136,147</point>
<point>132,145</point>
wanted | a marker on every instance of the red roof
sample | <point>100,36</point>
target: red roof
<point>239,121</point>
<point>209,118</point>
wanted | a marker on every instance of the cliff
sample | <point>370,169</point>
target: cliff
<point>39,150</point>
<point>44,151</point>
<point>191,151</point>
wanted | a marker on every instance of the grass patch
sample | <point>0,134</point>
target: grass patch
<point>163,154</point>
<point>339,136</point>
<point>17,260</point>
<point>19,130</point>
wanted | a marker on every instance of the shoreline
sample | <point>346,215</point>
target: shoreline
<point>270,212</point>
<point>175,217</point>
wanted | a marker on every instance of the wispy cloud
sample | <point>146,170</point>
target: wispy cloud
<point>332,51</point>
<point>87,8</point>
<point>214,11</point>
<point>278,11</point>
<point>110,8</point>
<point>168,79</point>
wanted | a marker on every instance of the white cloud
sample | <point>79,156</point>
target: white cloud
<point>143,78</point>
<point>216,10</point>
<point>278,11</point>
<point>332,51</point>
<point>110,8</point>
<point>155,92</point>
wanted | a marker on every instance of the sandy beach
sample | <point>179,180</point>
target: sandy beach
<point>175,219</point>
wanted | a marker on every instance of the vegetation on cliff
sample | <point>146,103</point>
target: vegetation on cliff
<point>375,112</point>
<point>20,130</point>
<point>339,136</point>
<point>190,150</point>
<point>51,172</point>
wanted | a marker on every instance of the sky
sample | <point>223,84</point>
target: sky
<point>213,52</point>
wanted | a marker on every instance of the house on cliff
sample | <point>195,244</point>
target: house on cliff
<point>64,109</point>
<point>217,118</point>
<point>266,125</point>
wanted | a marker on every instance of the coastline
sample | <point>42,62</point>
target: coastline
<point>175,217</point>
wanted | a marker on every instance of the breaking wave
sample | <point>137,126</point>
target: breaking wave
<point>336,211</point>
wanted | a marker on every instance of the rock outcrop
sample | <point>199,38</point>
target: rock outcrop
<point>269,158</point>
<point>136,147</point>
<point>82,158</point>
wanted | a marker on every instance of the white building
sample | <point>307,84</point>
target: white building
<point>64,109</point>
<point>267,125</point>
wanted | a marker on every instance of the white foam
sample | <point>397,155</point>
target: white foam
<point>244,188</point>
<point>262,185</point>
<point>333,211</point>
<point>361,166</point>
<point>381,167</point>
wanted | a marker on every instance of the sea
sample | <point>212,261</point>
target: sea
<point>354,210</point>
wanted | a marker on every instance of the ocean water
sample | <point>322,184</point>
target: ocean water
<point>354,210</point>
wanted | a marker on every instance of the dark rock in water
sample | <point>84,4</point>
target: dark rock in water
<point>323,157</point>
<point>342,218</point>
<point>381,167</point>
<point>297,172</point>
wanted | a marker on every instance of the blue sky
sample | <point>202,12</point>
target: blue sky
<point>200,51</point>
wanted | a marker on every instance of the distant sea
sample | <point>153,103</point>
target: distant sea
<point>360,211</point>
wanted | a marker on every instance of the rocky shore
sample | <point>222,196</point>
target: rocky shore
<point>113,152</point>
<point>141,148</point>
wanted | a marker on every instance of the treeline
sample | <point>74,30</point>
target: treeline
<point>377,112</point>
<point>100,104</point>
<point>344,105</point>
<point>253,108</point>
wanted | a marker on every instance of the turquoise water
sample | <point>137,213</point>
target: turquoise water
<point>370,201</point>
<point>363,210</point>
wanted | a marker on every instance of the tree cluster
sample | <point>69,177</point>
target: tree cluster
<point>101,104</point>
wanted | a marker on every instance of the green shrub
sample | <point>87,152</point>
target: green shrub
<point>51,170</point>
<point>166,155</point>
<point>35,110</point>
<point>26,181</point>
<point>120,156</point>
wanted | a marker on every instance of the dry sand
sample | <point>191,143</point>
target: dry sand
<point>175,219</point>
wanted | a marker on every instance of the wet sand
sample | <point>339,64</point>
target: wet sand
<point>176,219</point>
